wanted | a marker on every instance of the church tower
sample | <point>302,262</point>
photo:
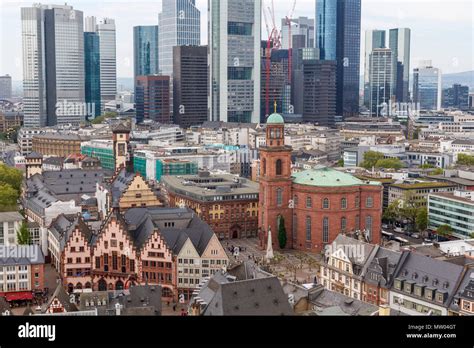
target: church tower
<point>275,184</point>
<point>122,151</point>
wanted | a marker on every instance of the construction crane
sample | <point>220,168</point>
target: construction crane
<point>274,43</point>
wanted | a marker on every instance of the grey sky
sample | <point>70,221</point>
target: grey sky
<point>442,30</point>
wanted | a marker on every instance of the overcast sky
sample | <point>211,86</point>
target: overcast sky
<point>442,30</point>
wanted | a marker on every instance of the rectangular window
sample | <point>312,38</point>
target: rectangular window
<point>308,228</point>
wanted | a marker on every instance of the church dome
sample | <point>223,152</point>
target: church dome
<point>275,119</point>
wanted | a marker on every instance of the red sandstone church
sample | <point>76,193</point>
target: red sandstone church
<point>317,205</point>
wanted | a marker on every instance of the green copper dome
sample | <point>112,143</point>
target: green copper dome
<point>275,119</point>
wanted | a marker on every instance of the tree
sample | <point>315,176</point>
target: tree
<point>371,158</point>
<point>11,176</point>
<point>410,207</point>
<point>465,160</point>
<point>340,163</point>
<point>444,230</point>
<point>392,212</point>
<point>282,239</point>
<point>427,166</point>
<point>8,197</point>
<point>389,163</point>
<point>422,219</point>
<point>23,235</point>
<point>437,171</point>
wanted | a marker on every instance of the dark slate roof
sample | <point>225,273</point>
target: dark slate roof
<point>34,155</point>
<point>465,289</point>
<point>119,185</point>
<point>383,263</point>
<point>21,255</point>
<point>64,225</point>
<point>63,298</point>
<point>263,296</point>
<point>76,181</point>
<point>143,222</point>
<point>55,161</point>
<point>121,128</point>
<point>439,275</point>
<point>138,300</point>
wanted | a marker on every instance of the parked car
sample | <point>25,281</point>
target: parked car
<point>385,226</point>
<point>399,230</point>
<point>415,236</point>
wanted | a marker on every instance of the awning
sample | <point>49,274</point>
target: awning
<point>19,296</point>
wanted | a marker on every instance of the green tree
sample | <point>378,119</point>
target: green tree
<point>282,239</point>
<point>340,163</point>
<point>23,235</point>
<point>8,197</point>
<point>465,160</point>
<point>427,166</point>
<point>437,171</point>
<point>389,163</point>
<point>410,207</point>
<point>11,176</point>
<point>422,219</point>
<point>444,230</point>
<point>392,212</point>
<point>101,119</point>
<point>371,158</point>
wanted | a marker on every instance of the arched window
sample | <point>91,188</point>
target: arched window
<point>279,167</point>
<point>368,224</point>
<point>308,228</point>
<point>264,166</point>
<point>326,230</point>
<point>279,197</point>
<point>343,224</point>
<point>326,203</point>
<point>369,202</point>
<point>309,202</point>
<point>344,203</point>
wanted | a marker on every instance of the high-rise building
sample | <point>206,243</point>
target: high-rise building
<point>5,87</point>
<point>319,100</point>
<point>338,26</point>
<point>53,65</point>
<point>373,39</point>
<point>381,81</point>
<point>152,99</point>
<point>180,25</point>
<point>300,27</point>
<point>145,50</point>
<point>234,52</point>
<point>108,61</point>
<point>400,44</point>
<point>456,97</point>
<point>92,72</point>
<point>279,87</point>
<point>190,85</point>
<point>299,57</point>
<point>427,86</point>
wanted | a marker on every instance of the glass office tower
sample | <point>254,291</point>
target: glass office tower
<point>53,65</point>
<point>145,50</point>
<point>108,61</point>
<point>235,31</point>
<point>381,81</point>
<point>427,86</point>
<point>180,25</point>
<point>92,72</point>
<point>373,39</point>
<point>338,26</point>
<point>400,41</point>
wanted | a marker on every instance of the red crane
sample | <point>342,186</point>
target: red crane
<point>274,43</point>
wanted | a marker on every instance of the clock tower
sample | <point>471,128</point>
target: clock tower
<point>275,202</point>
<point>122,150</point>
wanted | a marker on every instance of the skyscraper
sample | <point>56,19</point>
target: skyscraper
<point>338,26</point>
<point>400,42</point>
<point>5,87</point>
<point>381,81</point>
<point>180,25</point>
<point>303,26</point>
<point>456,97</point>
<point>108,60</point>
<point>373,39</point>
<point>190,85</point>
<point>234,50</point>
<point>427,90</point>
<point>92,72</point>
<point>319,100</point>
<point>53,65</point>
<point>145,50</point>
<point>152,98</point>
